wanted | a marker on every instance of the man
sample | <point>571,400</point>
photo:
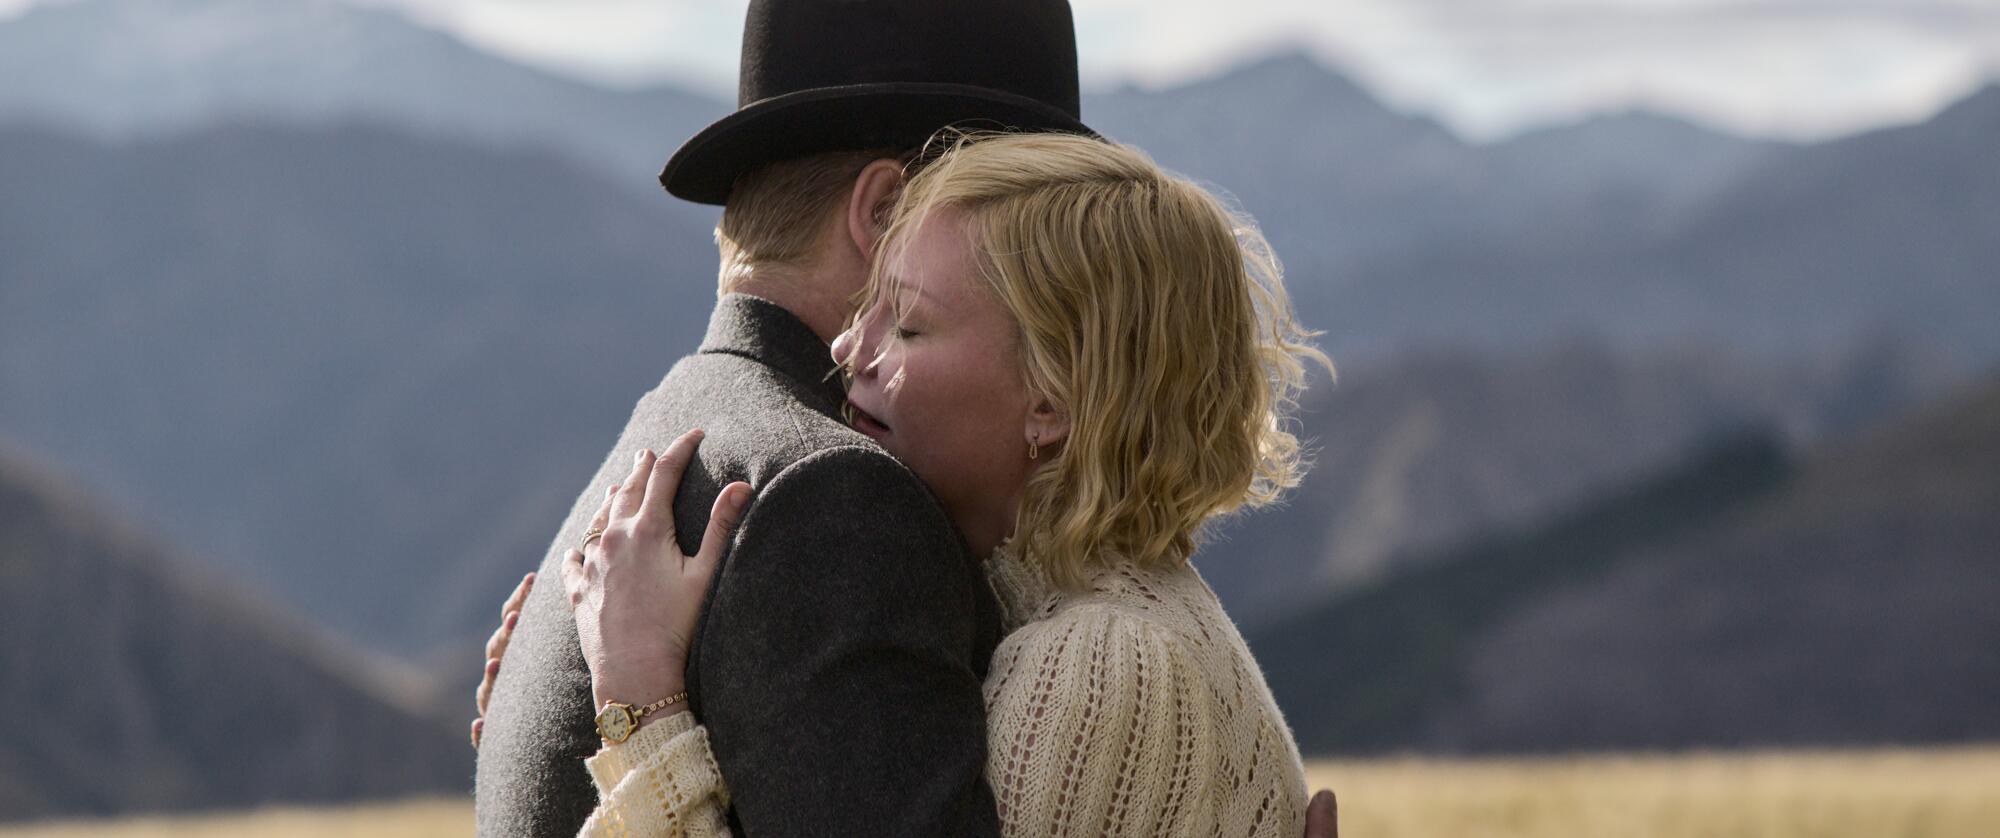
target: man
<point>844,640</point>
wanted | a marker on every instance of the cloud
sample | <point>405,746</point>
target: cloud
<point>1797,68</point>
<point>615,41</point>
<point>1800,68</point>
<point>1773,67</point>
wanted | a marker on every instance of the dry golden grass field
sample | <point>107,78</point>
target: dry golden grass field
<point>1876,793</point>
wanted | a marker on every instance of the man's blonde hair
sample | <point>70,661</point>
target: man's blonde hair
<point>1150,314</point>
<point>776,212</point>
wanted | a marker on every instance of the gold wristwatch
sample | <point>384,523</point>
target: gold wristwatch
<point>617,720</point>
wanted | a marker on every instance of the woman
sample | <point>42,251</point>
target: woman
<point>1086,360</point>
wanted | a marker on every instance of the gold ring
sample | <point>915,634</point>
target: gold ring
<point>594,534</point>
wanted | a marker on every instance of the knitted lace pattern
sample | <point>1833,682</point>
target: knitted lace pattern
<point>1130,708</point>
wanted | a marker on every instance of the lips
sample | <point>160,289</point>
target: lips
<point>866,422</point>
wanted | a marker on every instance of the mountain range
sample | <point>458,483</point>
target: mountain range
<point>1645,228</point>
<point>362,333</point>
<point>1419,454</point>
<point>347,311</point>
<point>122,70</point>
<point>1748,596</point>
<point>333,357</point>
<point>136,680</point>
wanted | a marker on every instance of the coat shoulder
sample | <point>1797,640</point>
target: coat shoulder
<point>757,420</point>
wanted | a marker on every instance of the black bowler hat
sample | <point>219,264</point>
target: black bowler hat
<point>844,75</point>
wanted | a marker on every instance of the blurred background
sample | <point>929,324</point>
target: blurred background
<point>1668,416</point>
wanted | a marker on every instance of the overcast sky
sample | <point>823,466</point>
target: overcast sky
<point>1792,68</point>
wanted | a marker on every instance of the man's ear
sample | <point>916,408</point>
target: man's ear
<point>1048,424</point>
<point>868,205</point>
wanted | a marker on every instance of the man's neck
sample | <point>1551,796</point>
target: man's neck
<point>822,308</point>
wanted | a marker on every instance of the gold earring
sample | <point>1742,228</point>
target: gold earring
<point>1035,447</point>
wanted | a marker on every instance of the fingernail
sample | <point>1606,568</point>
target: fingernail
<point>512,618</point>
<point>639,455</point>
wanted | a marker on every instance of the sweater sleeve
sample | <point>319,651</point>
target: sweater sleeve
<point>661,782</point>
<point>1100,723</point>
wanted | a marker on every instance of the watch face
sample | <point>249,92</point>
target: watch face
<point>614,722</point>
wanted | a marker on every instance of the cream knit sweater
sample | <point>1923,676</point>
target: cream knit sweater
<point>1133,708</point>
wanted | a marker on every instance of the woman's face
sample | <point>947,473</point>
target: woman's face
<point>937,381</point>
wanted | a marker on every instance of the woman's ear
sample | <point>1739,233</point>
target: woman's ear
<point>868,205</point>
<point>1048,424</point>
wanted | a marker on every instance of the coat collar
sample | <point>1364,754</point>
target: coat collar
<point>763,331</point>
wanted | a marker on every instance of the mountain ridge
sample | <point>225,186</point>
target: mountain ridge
<point>1831,596</point>
<point>136,69</point>
<point>298,346</point>
<point>404,346</point>
<point>152,685</point>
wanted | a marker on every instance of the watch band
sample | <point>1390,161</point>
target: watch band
<point>642,712</point>
<point>617,721</point>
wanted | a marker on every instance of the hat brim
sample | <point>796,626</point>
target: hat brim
<point>846,118</point>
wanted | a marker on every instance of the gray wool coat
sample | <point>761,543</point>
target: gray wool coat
<point>841,651</point>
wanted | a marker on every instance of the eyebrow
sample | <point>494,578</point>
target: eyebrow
<point>898,281</point>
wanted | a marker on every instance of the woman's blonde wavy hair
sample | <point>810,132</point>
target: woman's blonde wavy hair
<point>1150,314</point>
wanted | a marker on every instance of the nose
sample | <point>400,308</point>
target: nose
<point>856,346</point>
<point>844,343</point>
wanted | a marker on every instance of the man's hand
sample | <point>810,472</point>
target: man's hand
<point>496,647</point>
<point>1323,816</point>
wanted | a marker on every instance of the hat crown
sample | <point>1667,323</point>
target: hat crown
<point>849,75</point>
<point>1023,47</point>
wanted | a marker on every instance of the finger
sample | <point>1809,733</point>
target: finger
<point>478,725</point>
<point>722,521</point>
<point>626,502</point>
<point>1323,816</point>
<point>658,506</point>
<point>485,693</point>
<point>498,640</point>
<point>603,516</point>
<point>506,635</point>
<point>520,596</point>
<point>572,575</point>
